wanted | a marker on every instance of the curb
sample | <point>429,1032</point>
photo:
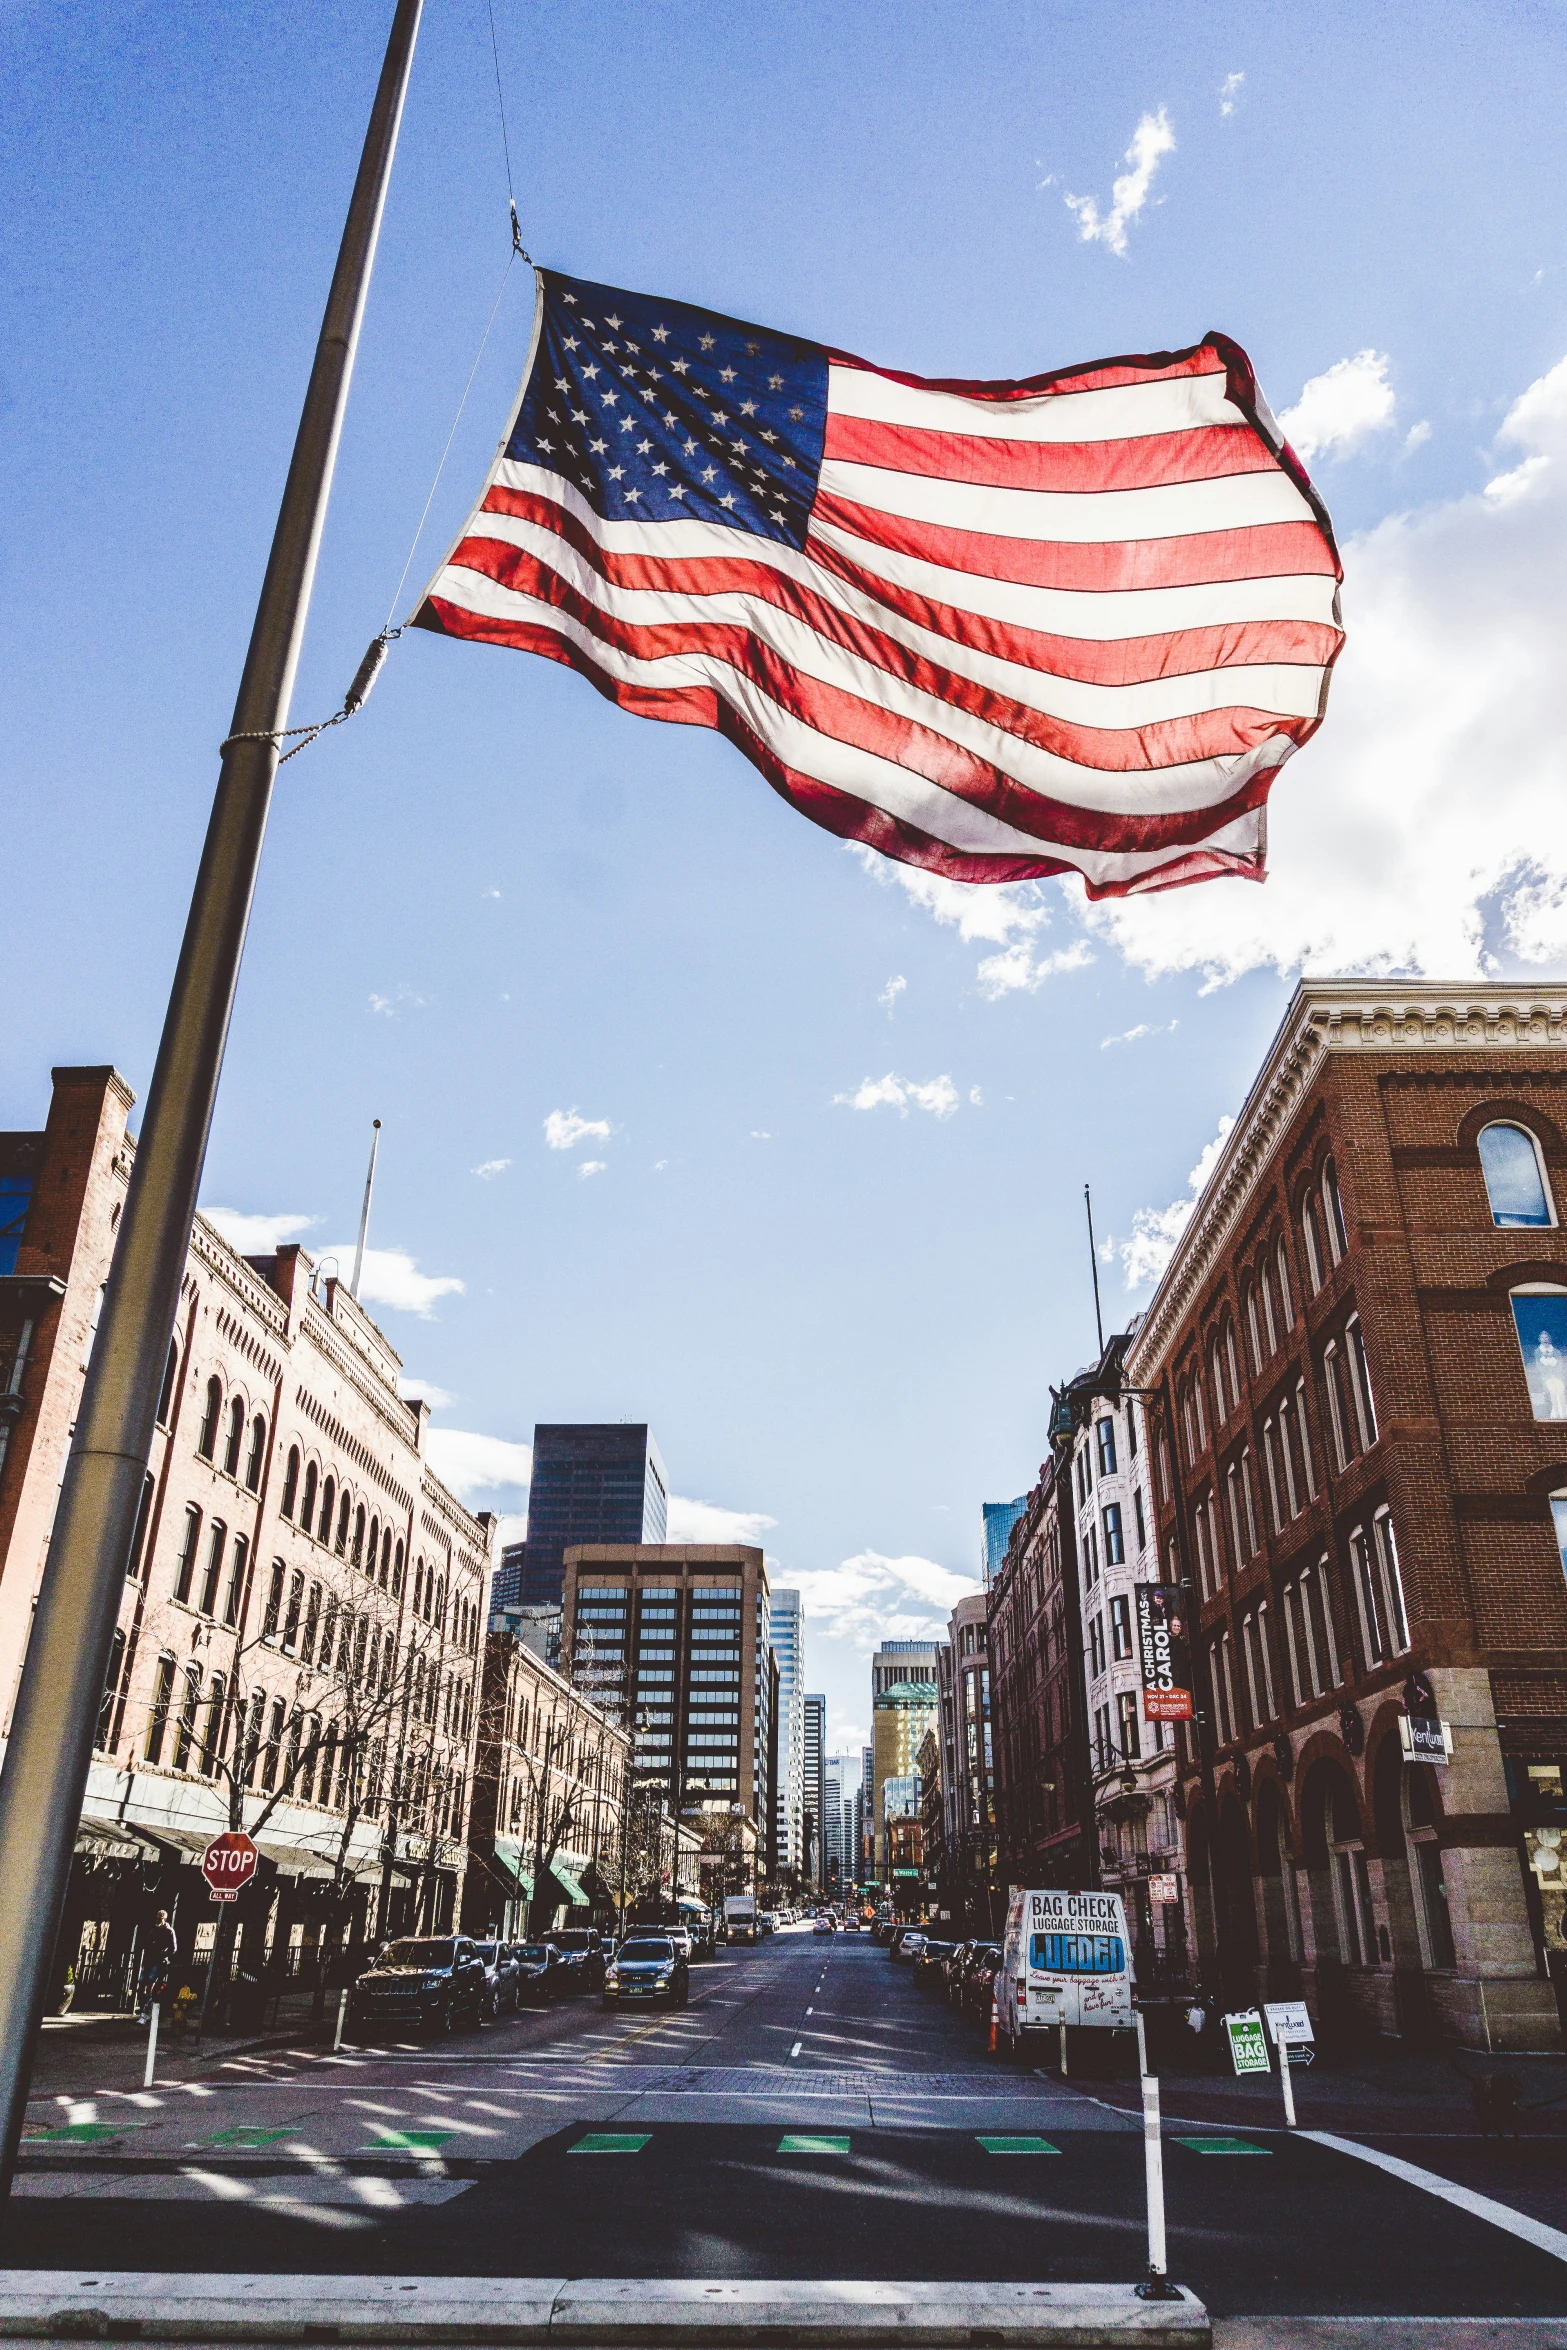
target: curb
<point>60,2305</point>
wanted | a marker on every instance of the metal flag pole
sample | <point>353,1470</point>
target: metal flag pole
<point>51,1742</point>
<point>1093,1261</point>
<point>364,1213</point>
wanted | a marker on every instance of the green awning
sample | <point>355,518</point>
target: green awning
<point>569,1886</point>
<point>510,1863</point>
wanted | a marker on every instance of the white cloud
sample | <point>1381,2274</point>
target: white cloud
<point>709,1521</point>
<point>760,1134</point>
<point>415,1390</point>
<point>1155,1231</point>
<point>1229,91</point>
<point>1152,139</point>
<point>848,1738</point>
<point>403,994</point>
<point>488,1169</point>
<point>1017,967</point>
<point>391,1277</point>
<point>381,1003</point>
<point>257,1235</point>
<point>1341,408</point>
<point>1136,1035</point>
<point>659,1165</point>
<point>1434,801</point>
<point>871,1598</point>
<point>591,1167</point>
<point>477,1467</point>
<point>888,998</point>
<point>938,1095</point>
<point>976,1096</point>
<point>1417,436</point>
<point>492,893</point>
<point>563,1128</point>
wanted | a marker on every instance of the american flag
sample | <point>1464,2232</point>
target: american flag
<point>998,630</point>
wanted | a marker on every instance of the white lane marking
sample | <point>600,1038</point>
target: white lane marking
<point>810,2011</point>
<point>795,2050</point>
<point>1500,2215</point>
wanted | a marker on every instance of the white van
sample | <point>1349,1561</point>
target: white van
<point>1065,1959</point>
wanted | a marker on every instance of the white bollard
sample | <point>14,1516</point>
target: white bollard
<point>1153,2163</point>
<point>152,2047</point>
<point>1287,2084</point>
<point>1063,2048</point>
<point>342,2019</point>
<point>1142,2044</point>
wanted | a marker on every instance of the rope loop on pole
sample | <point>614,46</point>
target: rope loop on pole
<point>353,702</point>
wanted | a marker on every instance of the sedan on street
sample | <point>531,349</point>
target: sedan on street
<point>929,1961</point>
<point>501,1982</point>
<point>541,1973</point>
<point>647,1967</point>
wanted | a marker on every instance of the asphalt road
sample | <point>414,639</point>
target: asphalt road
<point>809,2114</point>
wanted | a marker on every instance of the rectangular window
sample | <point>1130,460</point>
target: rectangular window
<point>1232,1486</point>
<point>1131,1430</point>
<point>185,1569</point>
<point>1303,1425</point>
<point>1270,1463</point>
<point>185,1734</point>
<point>1392,1582</point>
<point>1365,1409</point>
<point>1309,1634</point>
<point>1249,1655</point>
<point>1105,1431</point>
<point>1216,1676</point>
<point>273,1616</point>
<point>1287,1458</point>
<point>1121,1629</point>
<point>1251,1507</point>
<point>1115,1544</point>
<point>1203,1578</point>
<point>1293,1644</point>
<point>1540,1319</point>
<point>133,1563</point>
<point>1330,1380</point>
<point>1322,1602</point>
<point>158,1717</point>
<point>1266,1660</point>
<point>1131,1725</point>
<point>1137,1516</point>
<point>236,1590</point>
<point>296,1602</point>
<point>1229,1685</point>
<point>213,1571</point>
<point>1096,1647</point>
<point>1091,1555</point>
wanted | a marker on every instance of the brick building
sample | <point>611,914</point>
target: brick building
<point>962,1856</point>
<point>299,1637</point>
<point>1044,1798</point>
<point>1361,1470</point>
<point>549,1799</point>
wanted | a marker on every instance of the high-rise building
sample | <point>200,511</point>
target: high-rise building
<point>903,1708</point>
<point>594,1482</point>
<point>815,1782</point>
<point>966,1845</point>
<point>864,1816</point>
<point>673,1639</point>
<point>506,1582</point>
<point>832,1823</point>
<point>788,1632</point>
<point>999,1518</point>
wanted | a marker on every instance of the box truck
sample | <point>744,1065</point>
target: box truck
<point>740,1917</point>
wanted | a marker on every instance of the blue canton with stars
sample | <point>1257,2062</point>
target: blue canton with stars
<point>659,412</point>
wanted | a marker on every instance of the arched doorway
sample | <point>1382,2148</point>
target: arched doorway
<point>1410,1951</point>
<point>1240,1905</point>
<point>1280,1894</point>
<point>1338,1879</point>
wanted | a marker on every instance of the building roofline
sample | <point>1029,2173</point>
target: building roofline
<point>1332,1016</point>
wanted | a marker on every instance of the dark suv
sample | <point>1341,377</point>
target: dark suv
<point>421,1985</point>
<point>582,1954</point>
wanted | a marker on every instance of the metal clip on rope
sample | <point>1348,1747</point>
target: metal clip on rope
<point>353,701</point>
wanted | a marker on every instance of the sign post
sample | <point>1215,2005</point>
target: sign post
<point>228,1864</point>
<point>1289,2028</point>
<point>1248,2045</point>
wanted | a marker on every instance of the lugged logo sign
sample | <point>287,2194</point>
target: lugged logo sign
<point>1163,1653</point>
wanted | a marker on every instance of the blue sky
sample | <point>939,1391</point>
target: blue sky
<point>493,900</point>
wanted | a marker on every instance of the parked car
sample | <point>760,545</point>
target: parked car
<point>851,1924</point>
<point>647,1966</point>
<point>979,1982</point>
<point>421,1985</point>
<point>928,1962</point>
<point>882,1932</point>
<point>767,1923</point>
<point>541,1973</point>
<point>955,1968</point>
<point>905,1942</point>
<point>582,1953</point>
<point>501,1979</point>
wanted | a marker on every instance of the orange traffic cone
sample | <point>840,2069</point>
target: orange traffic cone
<point>992,2031</point>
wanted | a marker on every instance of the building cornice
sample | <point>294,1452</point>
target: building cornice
<point>1331,1016</point>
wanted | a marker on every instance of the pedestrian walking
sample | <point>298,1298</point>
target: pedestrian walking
<point>157,1964</point>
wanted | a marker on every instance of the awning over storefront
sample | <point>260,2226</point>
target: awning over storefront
<point>569,1886</point>
<point>297,1860</point>
<point>100,1843</point>
<point>509,1863</point>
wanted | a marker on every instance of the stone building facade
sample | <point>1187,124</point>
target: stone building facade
<point>1044,1797</point>
<point>962,1855</point>
<point>298,1648</point>
<point>1361,1471</point>
<point>549,1801</point>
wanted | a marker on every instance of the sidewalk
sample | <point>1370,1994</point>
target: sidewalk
<point>81,2053</point>
<point>1381,2091</point>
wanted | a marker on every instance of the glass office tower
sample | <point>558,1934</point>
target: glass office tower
<point>590,1483</point>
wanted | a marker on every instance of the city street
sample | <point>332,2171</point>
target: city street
<point>810,2114</point>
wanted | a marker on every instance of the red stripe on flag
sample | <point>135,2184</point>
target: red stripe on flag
<point>1212,452</point>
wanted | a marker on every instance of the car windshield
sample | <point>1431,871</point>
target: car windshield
<point>488,1951</point>
<point>535,1950</point>
<point>647,1949</point>
<point>418,1954</point>
<point>572,1939</point>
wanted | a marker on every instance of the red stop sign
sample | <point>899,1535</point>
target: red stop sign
<point>229,1863</point>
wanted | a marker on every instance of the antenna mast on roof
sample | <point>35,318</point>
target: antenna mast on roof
<point>364,1213</point>
<point>1093,1259</point>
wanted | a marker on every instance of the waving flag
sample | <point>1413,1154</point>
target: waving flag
<point>999,630</point>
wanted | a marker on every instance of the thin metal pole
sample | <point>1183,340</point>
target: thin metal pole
<point>152,2048</point>
<point>1286,2083</point>
<point>1093,1260</point>
<point>51,1741</point>
<point>1153,2166</point>
<point>364,1213</point>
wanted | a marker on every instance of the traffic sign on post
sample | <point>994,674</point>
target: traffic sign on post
<point>228,1864</point>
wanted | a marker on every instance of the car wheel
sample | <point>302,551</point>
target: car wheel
<point>438,2026</point>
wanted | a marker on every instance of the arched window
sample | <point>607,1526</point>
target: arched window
<point>1232,1361</point>
<point>386,1558</point>
<point>397,1572</point>
<point>258,1452</point>
<point>373,1548</point>
<point>111,1686</point>
<point>1216,1373</point>
<point>307,1508</point>
<point>1514,1171</point>
<point>359,1534</point>
<point>207,1441</point>
<point>217,1728</point>
<point>291,1481</point>
<point>1338,1235</point>
<point>344,1507</point>
<point>1312,1241</point>
<point>235,1437</point>
<point>133,1563</point>
<point>171,1372</point>
<point>1253,1330</point>
<point>328,1499</point>
<point>1540,1319</point>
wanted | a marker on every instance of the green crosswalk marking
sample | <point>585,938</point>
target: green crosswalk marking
<point>251,2135</point>
<point>796,2142</point>
<point>611,2142</point>
<point>80,2133</point>
<point>1222,2146</point>
<point>1018,2146</point>
<point>407,2141</point>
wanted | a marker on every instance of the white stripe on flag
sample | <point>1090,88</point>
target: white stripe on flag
<point>1121,413</point>
<point>1176,510</point>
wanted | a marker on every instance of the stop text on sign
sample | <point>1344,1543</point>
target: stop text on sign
<point>228,1864</point>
